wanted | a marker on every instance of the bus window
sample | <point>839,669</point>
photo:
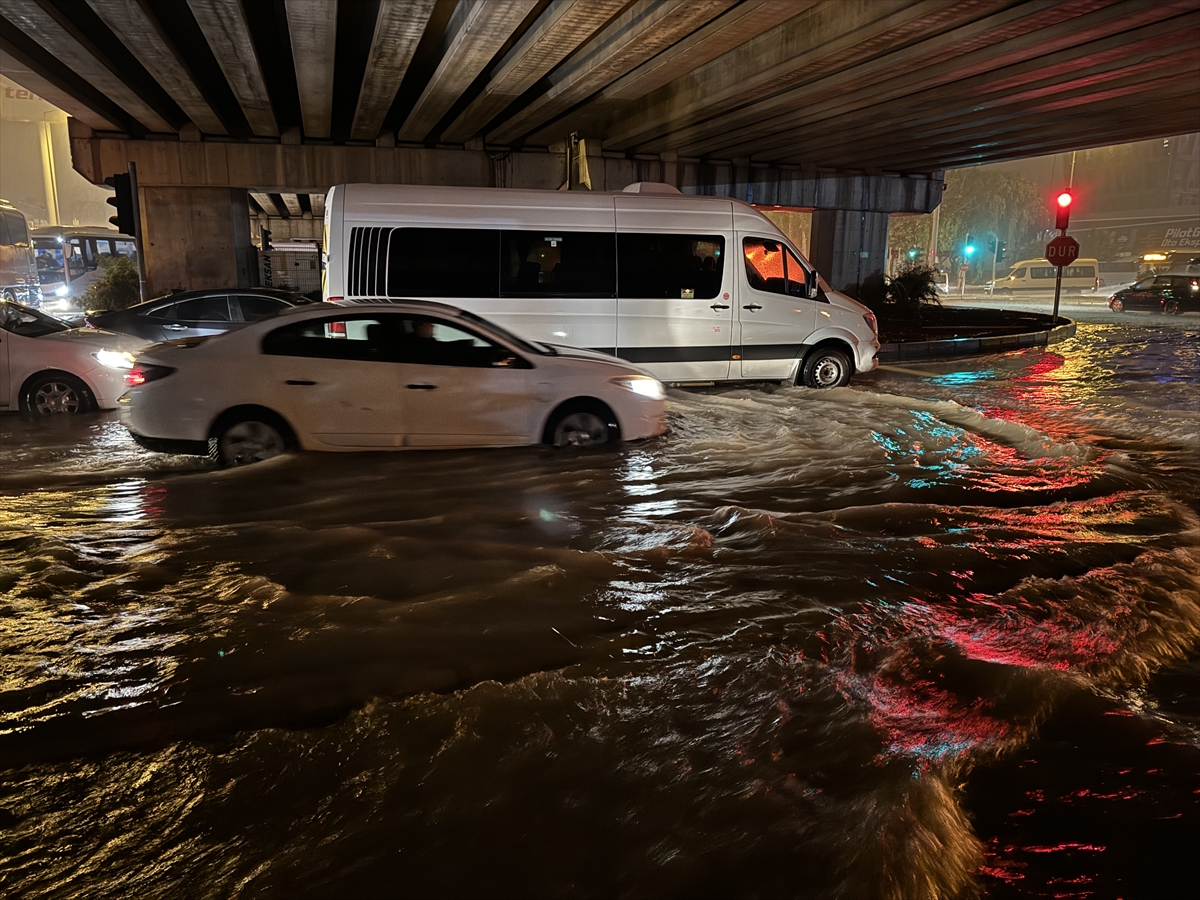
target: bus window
<point>127,249</point>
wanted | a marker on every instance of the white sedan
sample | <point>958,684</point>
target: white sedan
<point>48,367</point>
<point>376,376</point>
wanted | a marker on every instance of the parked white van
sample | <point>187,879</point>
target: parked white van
<point>644,274</point>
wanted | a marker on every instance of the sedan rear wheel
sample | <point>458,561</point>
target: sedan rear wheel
<point>248,441</point>
<point>54,394</point>
<point>1171,308</point>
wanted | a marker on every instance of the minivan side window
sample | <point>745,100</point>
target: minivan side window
<point>555,263</point>
<point>670,266</point>
<point>15,228</point>
<point>437,262</point>
<point>772,268</point>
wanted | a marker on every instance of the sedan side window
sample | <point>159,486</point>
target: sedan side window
<point>201,309</point>
<point>361,338</point>
<point>255,308</point>
<point>434,342</point>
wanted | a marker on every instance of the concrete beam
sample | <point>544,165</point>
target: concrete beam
<point>228,36</point>
<point>309,168</point>
<point>39,26</point>
<point>647,28</point>
<point>398,30</point>
<point>266,203</point>
<point>312,27</point>
<point>478,31</point>
<point>317,202</point>
<point>743,22</point>
<point>557,33</point>
<point>129,22</point>
<point>1012,37</point>
<point>292,203</point>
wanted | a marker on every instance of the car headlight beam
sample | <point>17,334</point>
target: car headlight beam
<point>115,359</point>
<point>642,385</point>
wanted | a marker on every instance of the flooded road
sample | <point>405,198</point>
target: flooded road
<point>933,635</point>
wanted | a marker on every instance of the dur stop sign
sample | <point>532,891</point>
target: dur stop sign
<point>1062,251</point>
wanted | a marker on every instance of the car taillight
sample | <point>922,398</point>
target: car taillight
<point>337,327</point>
<point>141,373</point>
<point>332,299</point>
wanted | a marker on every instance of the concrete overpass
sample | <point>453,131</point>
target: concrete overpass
<point>850,108</point>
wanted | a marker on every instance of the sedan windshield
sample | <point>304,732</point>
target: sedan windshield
<point>519,343</point>
<point>28,322</point>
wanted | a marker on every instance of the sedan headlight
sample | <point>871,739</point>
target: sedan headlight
<point>642,385</point>
<point>114,359</point>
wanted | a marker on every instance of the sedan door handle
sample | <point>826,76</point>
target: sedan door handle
<point>422,387</point>
<point>297,381</point>
<point>719,306</point>
<point>753,306</point>
<point>173,326</point>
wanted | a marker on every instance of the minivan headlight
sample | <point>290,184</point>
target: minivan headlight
<point>114,359</point>
<point>642,385</point>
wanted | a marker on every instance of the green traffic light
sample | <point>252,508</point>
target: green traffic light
<point>912,254</point>
<point>970,250</point>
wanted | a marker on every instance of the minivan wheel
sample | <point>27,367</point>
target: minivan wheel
<point>55,393</point>
<point>1171,308</point>
<point>826,367</point>
<point>247,441</point>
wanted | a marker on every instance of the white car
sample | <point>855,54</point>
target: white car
<point>377,376</point>
<point>48,367</point>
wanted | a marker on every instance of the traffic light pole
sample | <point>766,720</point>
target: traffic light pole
<point>137,230</point>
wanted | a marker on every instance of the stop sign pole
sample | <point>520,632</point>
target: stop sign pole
<point>1063,250</point>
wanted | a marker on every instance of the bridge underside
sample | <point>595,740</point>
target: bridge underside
<point>852,105</point>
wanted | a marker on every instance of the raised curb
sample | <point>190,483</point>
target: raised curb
<point>979,346</point>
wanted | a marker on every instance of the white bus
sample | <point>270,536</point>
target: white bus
<point>68,261</point>
<point>694,289</point>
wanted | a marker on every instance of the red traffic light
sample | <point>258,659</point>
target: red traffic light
<point>1063,213</point>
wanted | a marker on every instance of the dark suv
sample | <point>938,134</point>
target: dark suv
<point>195,313</point>
<point>1166,294</point>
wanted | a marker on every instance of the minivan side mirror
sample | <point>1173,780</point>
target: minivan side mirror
<point>812,285</point>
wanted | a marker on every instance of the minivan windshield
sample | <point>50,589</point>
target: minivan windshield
<point>28,322</point>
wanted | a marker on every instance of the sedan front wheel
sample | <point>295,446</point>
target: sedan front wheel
<point>56,393</point>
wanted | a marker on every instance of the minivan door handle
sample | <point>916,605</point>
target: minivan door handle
<point>719,306</point>
<point>752,306</point>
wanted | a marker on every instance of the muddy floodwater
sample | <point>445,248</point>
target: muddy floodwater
<point>936,634</point>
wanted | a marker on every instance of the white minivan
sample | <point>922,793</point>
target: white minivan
<point>693,289</point>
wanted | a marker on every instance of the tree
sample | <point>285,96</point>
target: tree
<point>981,202</point>
<point>117,287</point>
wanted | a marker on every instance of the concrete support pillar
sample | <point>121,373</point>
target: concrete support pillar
<point>196,237</point>
<point>848,245</point>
